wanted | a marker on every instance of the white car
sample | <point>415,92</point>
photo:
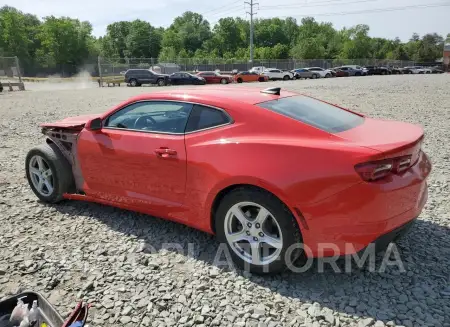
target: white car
<point>422,70</point>
<point>275,73</point>
<point>326,73</point>
<point>258,69</point>
<point>411,70</point>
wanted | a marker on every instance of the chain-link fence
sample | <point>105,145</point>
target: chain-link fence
<point>10,69</point>
<point>10,73</point>
<point>109,67</point>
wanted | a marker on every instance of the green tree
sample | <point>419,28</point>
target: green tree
<point>114,42</point>
<point>188,31</point>
<point>358,44</point>
<point>64,42</point>
<point>17,34</point>
<point>142,41</point>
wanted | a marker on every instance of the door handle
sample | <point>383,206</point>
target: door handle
<point>165,152</point>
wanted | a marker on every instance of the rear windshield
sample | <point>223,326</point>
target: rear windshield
<point>315,113</point>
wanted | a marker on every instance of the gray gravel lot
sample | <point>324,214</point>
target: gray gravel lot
<point>104,255</point>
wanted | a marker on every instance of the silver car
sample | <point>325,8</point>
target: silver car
<point>305,73</point>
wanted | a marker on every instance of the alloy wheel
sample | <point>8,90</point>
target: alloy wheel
<point>41,175</point>
<point>253,233</point>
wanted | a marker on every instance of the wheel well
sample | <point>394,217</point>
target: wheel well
<point>231,188</point>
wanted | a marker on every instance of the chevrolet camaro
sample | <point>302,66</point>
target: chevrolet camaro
<point>264,170</point>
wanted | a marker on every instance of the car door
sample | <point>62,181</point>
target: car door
<point>138,158</point>
<point>216,78</point>
<point>189,79</point>
<point>253,76</point>
<point>144,76</point>
<point>175,79</point>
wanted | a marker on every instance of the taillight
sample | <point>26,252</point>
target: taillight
<point>376,170</point>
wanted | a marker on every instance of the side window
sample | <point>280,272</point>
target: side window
<point>152,116</point>
<point>203,117</point>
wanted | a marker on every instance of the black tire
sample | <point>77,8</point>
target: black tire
<point>261,79</point>
<point>314,76</point>
<point>160,82</point>
<point>383,73</point>
<point>223,81</point>
<point>133,82</point>
<point>328,75</point>
<point>239,80</point>
<point>357,74</point>
<point>286,78</point>
<point>289,228</point>
<point>60,168</point>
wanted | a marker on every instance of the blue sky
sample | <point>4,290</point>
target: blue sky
<point>401,23</point>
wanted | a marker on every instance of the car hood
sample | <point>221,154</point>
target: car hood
<point>76,122</point>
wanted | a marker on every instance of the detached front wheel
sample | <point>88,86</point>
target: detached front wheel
<point>259,230</point>
<point>48,172</point>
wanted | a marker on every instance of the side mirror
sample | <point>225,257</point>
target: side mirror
<point>94,125</point>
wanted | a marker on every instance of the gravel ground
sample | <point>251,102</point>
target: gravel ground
<point>104,255</point>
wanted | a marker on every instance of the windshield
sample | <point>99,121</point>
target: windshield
<point>315,113</point>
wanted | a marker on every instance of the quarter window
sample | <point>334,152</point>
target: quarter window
<point>152,116</point>
<point>203,117</point>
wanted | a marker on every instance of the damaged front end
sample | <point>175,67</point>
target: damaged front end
<point>65,138</point>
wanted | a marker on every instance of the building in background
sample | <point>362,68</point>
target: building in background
<point>446,56</point>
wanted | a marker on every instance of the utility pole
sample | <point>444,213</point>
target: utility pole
<point>251,13</point>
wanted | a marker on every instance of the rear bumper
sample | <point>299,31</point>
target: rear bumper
<point>382,242</point>
<point>347,222</point>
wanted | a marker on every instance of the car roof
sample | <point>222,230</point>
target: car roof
<point>205,95</point>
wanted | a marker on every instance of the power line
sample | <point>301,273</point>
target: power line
<point>378,10</point>
<point>231,10</point>
<point>218,8</point>
<point>318,4</point>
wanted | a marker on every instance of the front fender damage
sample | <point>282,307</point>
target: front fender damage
<point>66,140</point>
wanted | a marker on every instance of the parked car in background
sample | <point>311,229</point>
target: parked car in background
<point>250,77</point>
<point>357,70</point>
<point>396,70</point>
<point>138,77</point>
<point>375,70</point>
<point>183,78</point>
<point>305,73</point>
<point>388,70</point>
<point>436,70</point>
<point>352,70</point>
<point>274,73</point>
<point>340,73</point>
<point>326,73</point>
<point>410,70</point>
<point>258,69</point>
<point>215,77</point>
<point>423,70</point>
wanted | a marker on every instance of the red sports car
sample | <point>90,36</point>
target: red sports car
<point>264,170</point>
<point>215,77</point>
